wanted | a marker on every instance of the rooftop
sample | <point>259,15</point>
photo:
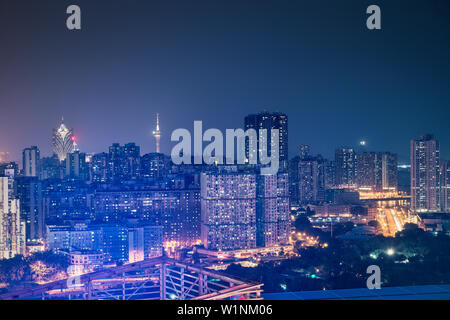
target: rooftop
<point>428,292</point>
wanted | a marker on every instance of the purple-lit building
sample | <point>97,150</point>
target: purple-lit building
<point>243,209</point>
<point>177,211</point>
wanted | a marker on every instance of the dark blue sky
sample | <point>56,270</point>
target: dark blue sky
<point>218,61</point>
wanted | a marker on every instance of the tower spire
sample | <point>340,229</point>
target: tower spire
<point>157,133</point>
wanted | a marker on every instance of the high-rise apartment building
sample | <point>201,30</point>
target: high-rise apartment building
<point>228,201</point>
<point>268,121</point>
<point>272,210</point>
<point>389,171</point>
<point>12,229</point>
<point>124,161</point>
<point>76,166</point>
<point>309,179</point>
<point>176,210</point>
<point>51,168</point>
<point>99,170</point>
<point>345,166</point>
<point>154,165</point>
<point>445,186</point>
<point>29,192</point>
<point>425,182</point>
<point>31,162</point>
<point>308,170</point>
<point>243,209</point>
<point>376,171</point>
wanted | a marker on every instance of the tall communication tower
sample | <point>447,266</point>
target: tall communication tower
<point>157,133</point>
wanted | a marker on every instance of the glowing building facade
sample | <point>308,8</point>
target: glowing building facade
<point>157,134</point>
<point>244,209</point>
<point>425,182</point>
<point>63,141</point>
<point>12,229</point>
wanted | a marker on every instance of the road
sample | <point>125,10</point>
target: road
<point>392,220</point>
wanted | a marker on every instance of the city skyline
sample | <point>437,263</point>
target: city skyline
<point>358,146</point>
<point>217,150</point>
<point>347,87</point>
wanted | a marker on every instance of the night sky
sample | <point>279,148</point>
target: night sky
<point>218,61</point>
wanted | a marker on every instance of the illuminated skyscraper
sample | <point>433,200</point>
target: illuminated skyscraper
<point>157,134</point>
<point>376,171</point>
<point>228,210</point>
<point>345,166</point>
<point>63,141</point>
<point>244,209</point>
<point>425,174</point>
<point>12,228</point>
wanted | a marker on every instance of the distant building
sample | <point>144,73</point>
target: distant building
<point>124,162</point>
<point>445,186</point>
<point>309,179</point>
<point>144,241</point>
<point>154,165</point>
<point>303,151</point>
<point>114,243</point>
<point>29,192</point>
<point>425,174</point>
<point>228,210</point>
<point>9,169</point>
<point>294,181</point>
<point>376,171</point>
<point>99,170</point>
<point>51,168</point>
<point>268,121</point>
<point>85,261</point>
<point>345,167</point>
<point>12,229</point>
<point>389,171</point>
<point>176,210</point>
<point>31,162</point>
<point>109,239</point>
<point>66,200</point>
<point>330,174</point>
<point>244,210</point>
<point>272,210</point>
<point>63,141</point>
<point>75,165</point>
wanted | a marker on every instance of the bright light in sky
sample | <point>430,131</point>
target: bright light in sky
<point>362,142</point>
